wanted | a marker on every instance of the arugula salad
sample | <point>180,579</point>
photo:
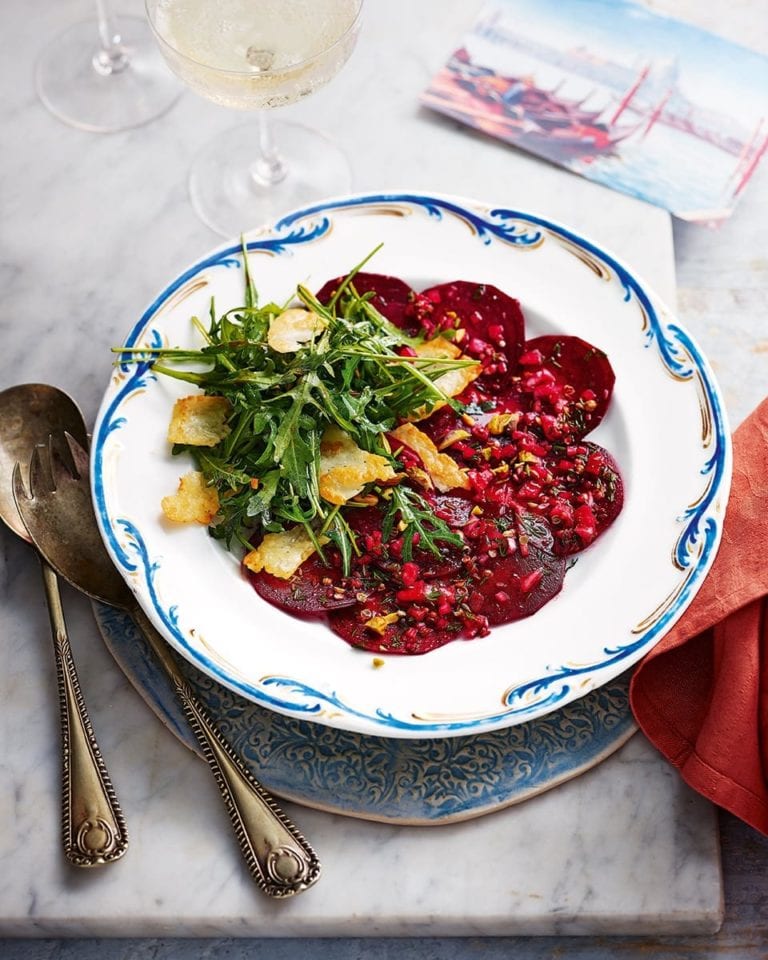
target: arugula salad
<point>403,464</point>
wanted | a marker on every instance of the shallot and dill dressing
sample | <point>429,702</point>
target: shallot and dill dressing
<point>405,465</point>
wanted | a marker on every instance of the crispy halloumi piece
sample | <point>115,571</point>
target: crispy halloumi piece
<point>345,469</point>
<point>193,502</point>
<point>438,347</point>
<point>444,472</point>
<point>293,329</point>
<point>281,554</point>
<point>199,420</point>
<point>453,381</point>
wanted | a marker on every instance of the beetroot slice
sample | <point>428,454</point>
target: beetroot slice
<point>431,566</point>
<point>518,586</point>
<point>391,295</point>
<point>387,556</point>
<point>452,509</point>
<point>593,478</point>
<point>568,367</point>
<point>394,638</point>
<point>304,593</point>
<point>364,521</point>
<point>493,321</point>
<point>483,425</point>
<point>522,582</point>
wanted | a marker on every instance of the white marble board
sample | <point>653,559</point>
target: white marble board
<point>626,848</point>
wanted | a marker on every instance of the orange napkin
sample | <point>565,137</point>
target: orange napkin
<point>701,695</point>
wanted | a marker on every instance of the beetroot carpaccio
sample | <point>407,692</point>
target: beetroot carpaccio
<point>536,491</point>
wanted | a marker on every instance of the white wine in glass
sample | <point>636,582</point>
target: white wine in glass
<point>255,55</point>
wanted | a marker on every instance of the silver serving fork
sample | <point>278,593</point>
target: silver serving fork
<point>59,516</point>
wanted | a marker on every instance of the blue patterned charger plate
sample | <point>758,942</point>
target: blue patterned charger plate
<point>390,780</point>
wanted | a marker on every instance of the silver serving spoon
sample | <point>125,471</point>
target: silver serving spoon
<point>93,828</point>
<point>58,513</point>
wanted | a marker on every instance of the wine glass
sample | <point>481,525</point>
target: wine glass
<point>256,55</point>
<point>105,74</point>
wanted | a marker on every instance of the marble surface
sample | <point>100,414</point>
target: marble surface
<point>74,207</point>
<point>594,855</point>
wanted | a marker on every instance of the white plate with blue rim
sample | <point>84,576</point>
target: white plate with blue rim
<point>666,427</point>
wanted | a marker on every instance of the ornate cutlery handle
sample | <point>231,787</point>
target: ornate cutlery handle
<point>279,859</point>
<point>93,828</point>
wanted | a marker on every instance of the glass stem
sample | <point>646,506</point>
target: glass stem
<point>269,167</point>
<point>111,57</point>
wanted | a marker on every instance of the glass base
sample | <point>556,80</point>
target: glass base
<point>98,96</point>
<point>229,197</point>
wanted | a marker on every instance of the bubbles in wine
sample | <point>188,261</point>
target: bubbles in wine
<point>261,59</point>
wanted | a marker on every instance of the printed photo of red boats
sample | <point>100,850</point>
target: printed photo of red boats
<point>640,102</point>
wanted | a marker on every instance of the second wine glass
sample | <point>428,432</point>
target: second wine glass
<point>256,55</point>
<point>104,75</point>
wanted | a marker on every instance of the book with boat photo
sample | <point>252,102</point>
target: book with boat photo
<point>643,103</point>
